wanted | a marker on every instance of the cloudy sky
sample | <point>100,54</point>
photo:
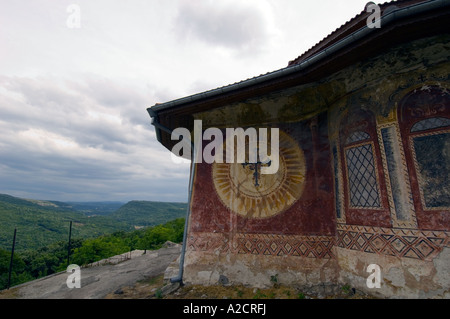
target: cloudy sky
<point>76,78</point>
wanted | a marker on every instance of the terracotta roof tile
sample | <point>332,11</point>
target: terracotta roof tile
<point>351,26</point>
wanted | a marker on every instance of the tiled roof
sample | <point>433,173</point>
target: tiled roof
<point>351,26</point>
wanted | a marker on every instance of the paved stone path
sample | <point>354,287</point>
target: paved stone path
<point>99,281</point>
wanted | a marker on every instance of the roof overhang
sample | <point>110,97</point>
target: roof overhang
<point>400,24</point>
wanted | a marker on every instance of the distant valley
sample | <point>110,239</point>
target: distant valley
<point>41,222</point>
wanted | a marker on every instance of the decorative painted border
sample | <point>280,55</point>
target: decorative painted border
<point>338,185</point>
<point>416,244</point>
<point>397,242</point>
<point>264,244</point>
<point>403,170</point>
<point>280,245</point>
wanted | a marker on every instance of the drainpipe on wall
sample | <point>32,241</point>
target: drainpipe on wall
<point>179,277</point>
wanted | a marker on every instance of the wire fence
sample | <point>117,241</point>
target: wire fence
<point>116,259</point>
<point>110,260</point>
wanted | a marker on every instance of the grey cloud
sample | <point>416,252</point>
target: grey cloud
<point>66,110</point>
<point>55,176</point>
<point>82,142</point>
<point>233,25</point>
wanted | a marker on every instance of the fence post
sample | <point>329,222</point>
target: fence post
<point>68,247</point>
<point>11,261</point>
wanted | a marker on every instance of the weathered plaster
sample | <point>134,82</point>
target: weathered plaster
<point>308,244</point>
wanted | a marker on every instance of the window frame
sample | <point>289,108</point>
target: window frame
<point>418,105</point>
<point>354,122</point>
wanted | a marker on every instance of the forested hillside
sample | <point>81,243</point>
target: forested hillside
<point>40,223</point>
<point>95,208</point>
<point>137,212</point>
<point>32,264</point>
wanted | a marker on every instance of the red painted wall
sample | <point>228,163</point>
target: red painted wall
<point>312,214</point>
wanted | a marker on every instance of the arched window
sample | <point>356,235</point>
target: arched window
<point>364,186</point>
<point>424,118</point>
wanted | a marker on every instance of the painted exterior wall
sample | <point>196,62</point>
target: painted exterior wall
<point>365,180</point>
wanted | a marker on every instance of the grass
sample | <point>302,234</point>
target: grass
<point>151,288</point>
<point>230,292</point>
<point>9,293</point>
<point>144,289</point>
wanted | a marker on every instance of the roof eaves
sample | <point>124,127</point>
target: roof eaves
<point>386,18</point>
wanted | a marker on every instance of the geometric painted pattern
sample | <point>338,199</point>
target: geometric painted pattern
<point>280,245</point>
<point>398,242</point>
<point>264,244</point>
<point>423,245</point>
<point>209,242</point>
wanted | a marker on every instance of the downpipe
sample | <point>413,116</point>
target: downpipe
<point>179,278</point>
<point>156,124</point>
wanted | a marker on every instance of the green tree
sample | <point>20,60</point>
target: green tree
<point>49,259</point>
<point>18,274</point>
<point>99,248</point>
<point>32,264</point>
<point>154,237</point>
